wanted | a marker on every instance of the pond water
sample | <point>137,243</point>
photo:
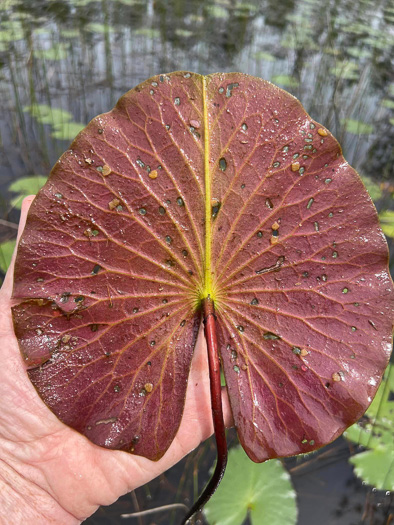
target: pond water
<point>62,62</point>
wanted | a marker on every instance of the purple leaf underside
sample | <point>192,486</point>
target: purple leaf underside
<point>110,269</point>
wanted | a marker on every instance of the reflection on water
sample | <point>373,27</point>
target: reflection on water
<point>64,61</point>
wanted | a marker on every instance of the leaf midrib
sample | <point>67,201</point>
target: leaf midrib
<point>207,289</point>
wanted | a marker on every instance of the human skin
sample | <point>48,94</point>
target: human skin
<point>49,473</point>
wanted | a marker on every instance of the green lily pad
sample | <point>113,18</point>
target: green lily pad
<point>47,115</point>
<point>386,218</point>
<point>6,251</point>
<point>285,80</point>
<point>376,467</point>
<point>24,187</point>
<point>183,33</point>
<point>148,32</point>
<point>69,33</point>
<point>373,188</point>
<point>262,55</point>
<point>376,432</point>
<point>68,130</point>
<point>216,11</point>
<point>356,127</point>
<point>344,69</point>
<point>387,103</point>
<point>358,52</point>
<point>56,52</point>
<point>262,491</point>
<point>95,27</point>
<point>64,128</point>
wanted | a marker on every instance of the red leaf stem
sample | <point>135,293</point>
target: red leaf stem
<point>217,410</point>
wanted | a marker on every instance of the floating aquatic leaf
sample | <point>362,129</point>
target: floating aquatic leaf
<point>148,32</point>
<point>56,52</point>
<point>387,103</point>
<point>67,130</point>
<point>386,218</point>
<point>376,467</point>
<point>263,55</point>
<point>262,492</point>
<point>356,126</point>
<point>47,115</point>
<point>285,80</point>
<point>375,432</point>
<point>6,251</point>
<point>96,27</point>
<point>25,186</point>
<point>345,70</point>
<point>357,52</point>
<point>373,188</point>
<point>61,120</point>
<point>195,186</point>
<point>183,33</point>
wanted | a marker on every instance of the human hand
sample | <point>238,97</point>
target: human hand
<point>49,473</point>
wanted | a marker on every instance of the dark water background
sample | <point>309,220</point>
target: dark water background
<point>80,56</point>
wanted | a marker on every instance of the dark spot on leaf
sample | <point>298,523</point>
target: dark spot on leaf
<point>230,88</point>
<point>180,201</point>
<point>259,234</point>
<point>94,327</point>
<point>162,210</point>
<point>79,299</point>
<point>215,210</point>
<point>152,343</point>
<point>254,301</point>
<point>240,328</point>
<point>65,297</point>
<point>135,310</point>
<point>116,388</point>
<point>185,253</point>
<point>142,211</point>
<point>183,322</point>
<point>268,203</point>
<point>96,269</point>
<point>270,336</point>
<point>223,164</point>
<point>168,239</point>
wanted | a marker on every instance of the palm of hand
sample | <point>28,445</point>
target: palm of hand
<point>71,475</point>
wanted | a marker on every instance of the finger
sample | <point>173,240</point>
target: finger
<point>6,288</point>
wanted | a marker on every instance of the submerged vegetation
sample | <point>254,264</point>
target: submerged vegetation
<point>63,62</point>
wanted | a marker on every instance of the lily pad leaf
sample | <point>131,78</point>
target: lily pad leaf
<point>193,186</point>
<point>262,492</point>
<point>387,220</point>
<point>357,127</point>
<point>6,251</point>
<point>376,467</point>
<point>25,186</point>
